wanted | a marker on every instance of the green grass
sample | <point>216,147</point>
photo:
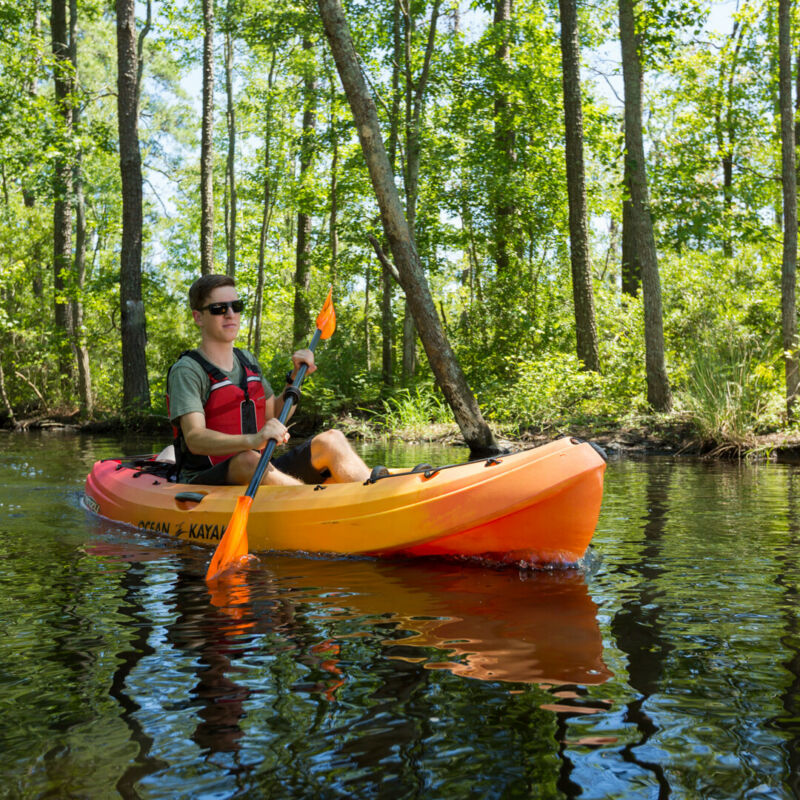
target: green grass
<point>414,414</point>
<point>731,392</point>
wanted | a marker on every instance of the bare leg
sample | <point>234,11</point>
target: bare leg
<point>242,466</point>
<point>331,450</point>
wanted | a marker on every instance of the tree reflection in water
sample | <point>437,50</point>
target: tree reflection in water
<point>303,665</point>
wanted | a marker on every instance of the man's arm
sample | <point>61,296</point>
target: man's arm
<point>204,441</point>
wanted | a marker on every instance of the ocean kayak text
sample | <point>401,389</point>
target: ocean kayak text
<point>195,530</point>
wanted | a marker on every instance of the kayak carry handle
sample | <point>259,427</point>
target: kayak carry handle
<point>188,500</point>
<point>191,497</point>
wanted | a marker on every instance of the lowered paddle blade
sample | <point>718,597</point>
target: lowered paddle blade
<point>326,321</point>
<point>234,543</point>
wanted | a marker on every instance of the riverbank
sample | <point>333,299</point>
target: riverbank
<point>645,436</point>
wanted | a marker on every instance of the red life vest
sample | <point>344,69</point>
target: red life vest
<point>228,408</point>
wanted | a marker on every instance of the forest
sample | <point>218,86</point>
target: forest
<point>535,215</point>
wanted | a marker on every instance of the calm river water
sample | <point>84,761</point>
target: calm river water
<point>667,666</point>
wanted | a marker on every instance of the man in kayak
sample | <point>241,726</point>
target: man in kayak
<point>224,410</point>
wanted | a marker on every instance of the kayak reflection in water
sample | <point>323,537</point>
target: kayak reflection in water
<point>493,624</point>
<point>331,629</point>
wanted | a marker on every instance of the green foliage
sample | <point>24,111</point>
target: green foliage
<point>491,136</point>
<point>412,414</point>
<point>552,391</point>
<point>548,392</point>
<point>732,391</point>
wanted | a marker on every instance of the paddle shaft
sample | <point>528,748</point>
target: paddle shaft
<point>288,404</point>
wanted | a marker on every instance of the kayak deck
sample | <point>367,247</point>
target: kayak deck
<point>539,506</point>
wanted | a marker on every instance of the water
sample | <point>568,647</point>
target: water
<point>668,666</point>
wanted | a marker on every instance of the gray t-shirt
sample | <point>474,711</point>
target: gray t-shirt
<point>189,385</point>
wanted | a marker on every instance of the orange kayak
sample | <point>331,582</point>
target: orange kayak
<point>538,506</point>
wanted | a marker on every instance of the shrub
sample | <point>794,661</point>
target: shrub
<point>547,392</point>
<point>413,414</point>
<point>732,389</point>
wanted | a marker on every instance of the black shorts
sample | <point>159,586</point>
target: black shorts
<point>295,462</point>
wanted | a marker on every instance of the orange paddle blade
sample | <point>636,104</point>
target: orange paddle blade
<point>326,321</point>
<point>234,543</point>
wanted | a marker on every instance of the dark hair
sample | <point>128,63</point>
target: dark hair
<point>203,286</point>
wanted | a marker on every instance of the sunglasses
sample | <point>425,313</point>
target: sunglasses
<point>218,309</point>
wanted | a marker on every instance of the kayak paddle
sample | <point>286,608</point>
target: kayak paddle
<point>233,544</point>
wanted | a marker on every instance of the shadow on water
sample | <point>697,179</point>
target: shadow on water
<point>638,625</point>
<point>132,581</point>
<point>788,578</point>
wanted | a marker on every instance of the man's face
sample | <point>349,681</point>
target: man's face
<point>219,327</point>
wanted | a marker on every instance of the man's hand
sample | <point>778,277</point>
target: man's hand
<point>274,429</point>
<point>304,357</point>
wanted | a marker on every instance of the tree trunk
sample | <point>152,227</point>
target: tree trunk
<point>725,123</point>
<point>442,359</point>
<point>387,328</point>
<point>230,168</point>
<point>367,338</point>
<point>387,281</point>
<point>267,211</point>
<point>414,103</point>
<point>409,367</point>
<point>135,386</point>
<point>28,195</point>
<point>796,102</point>
<point>4,396</point>
<point>505,142</point>
<point>78,333</point>
<point>333,228</point>
<point>302,275</point>
<point>639,220</point>
<point>62,190</point>
<point>631,267</point>
<point>583,295</point>
<point>789,181</point>
<point>207,145</point>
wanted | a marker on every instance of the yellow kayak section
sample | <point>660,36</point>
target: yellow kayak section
<point>539,506</point>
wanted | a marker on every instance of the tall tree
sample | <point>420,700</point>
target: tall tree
<point>631,265</point>
<point>333,221</point>
<point>583,295</point>
<point>230,164</point>
<point>78,331</point>
<point>446,368</point>
<point>207,145</point>
<point>504,138</point>
<point>415,96</point>
<point>725,121</point>
<point>387,280</point>
<point>135,385</point>
<point>302,274</point>
<point>28,194</point>
<point>638,220</point>
<point>62,181</point>
<point>789,182</point>
<point>268,195</point>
